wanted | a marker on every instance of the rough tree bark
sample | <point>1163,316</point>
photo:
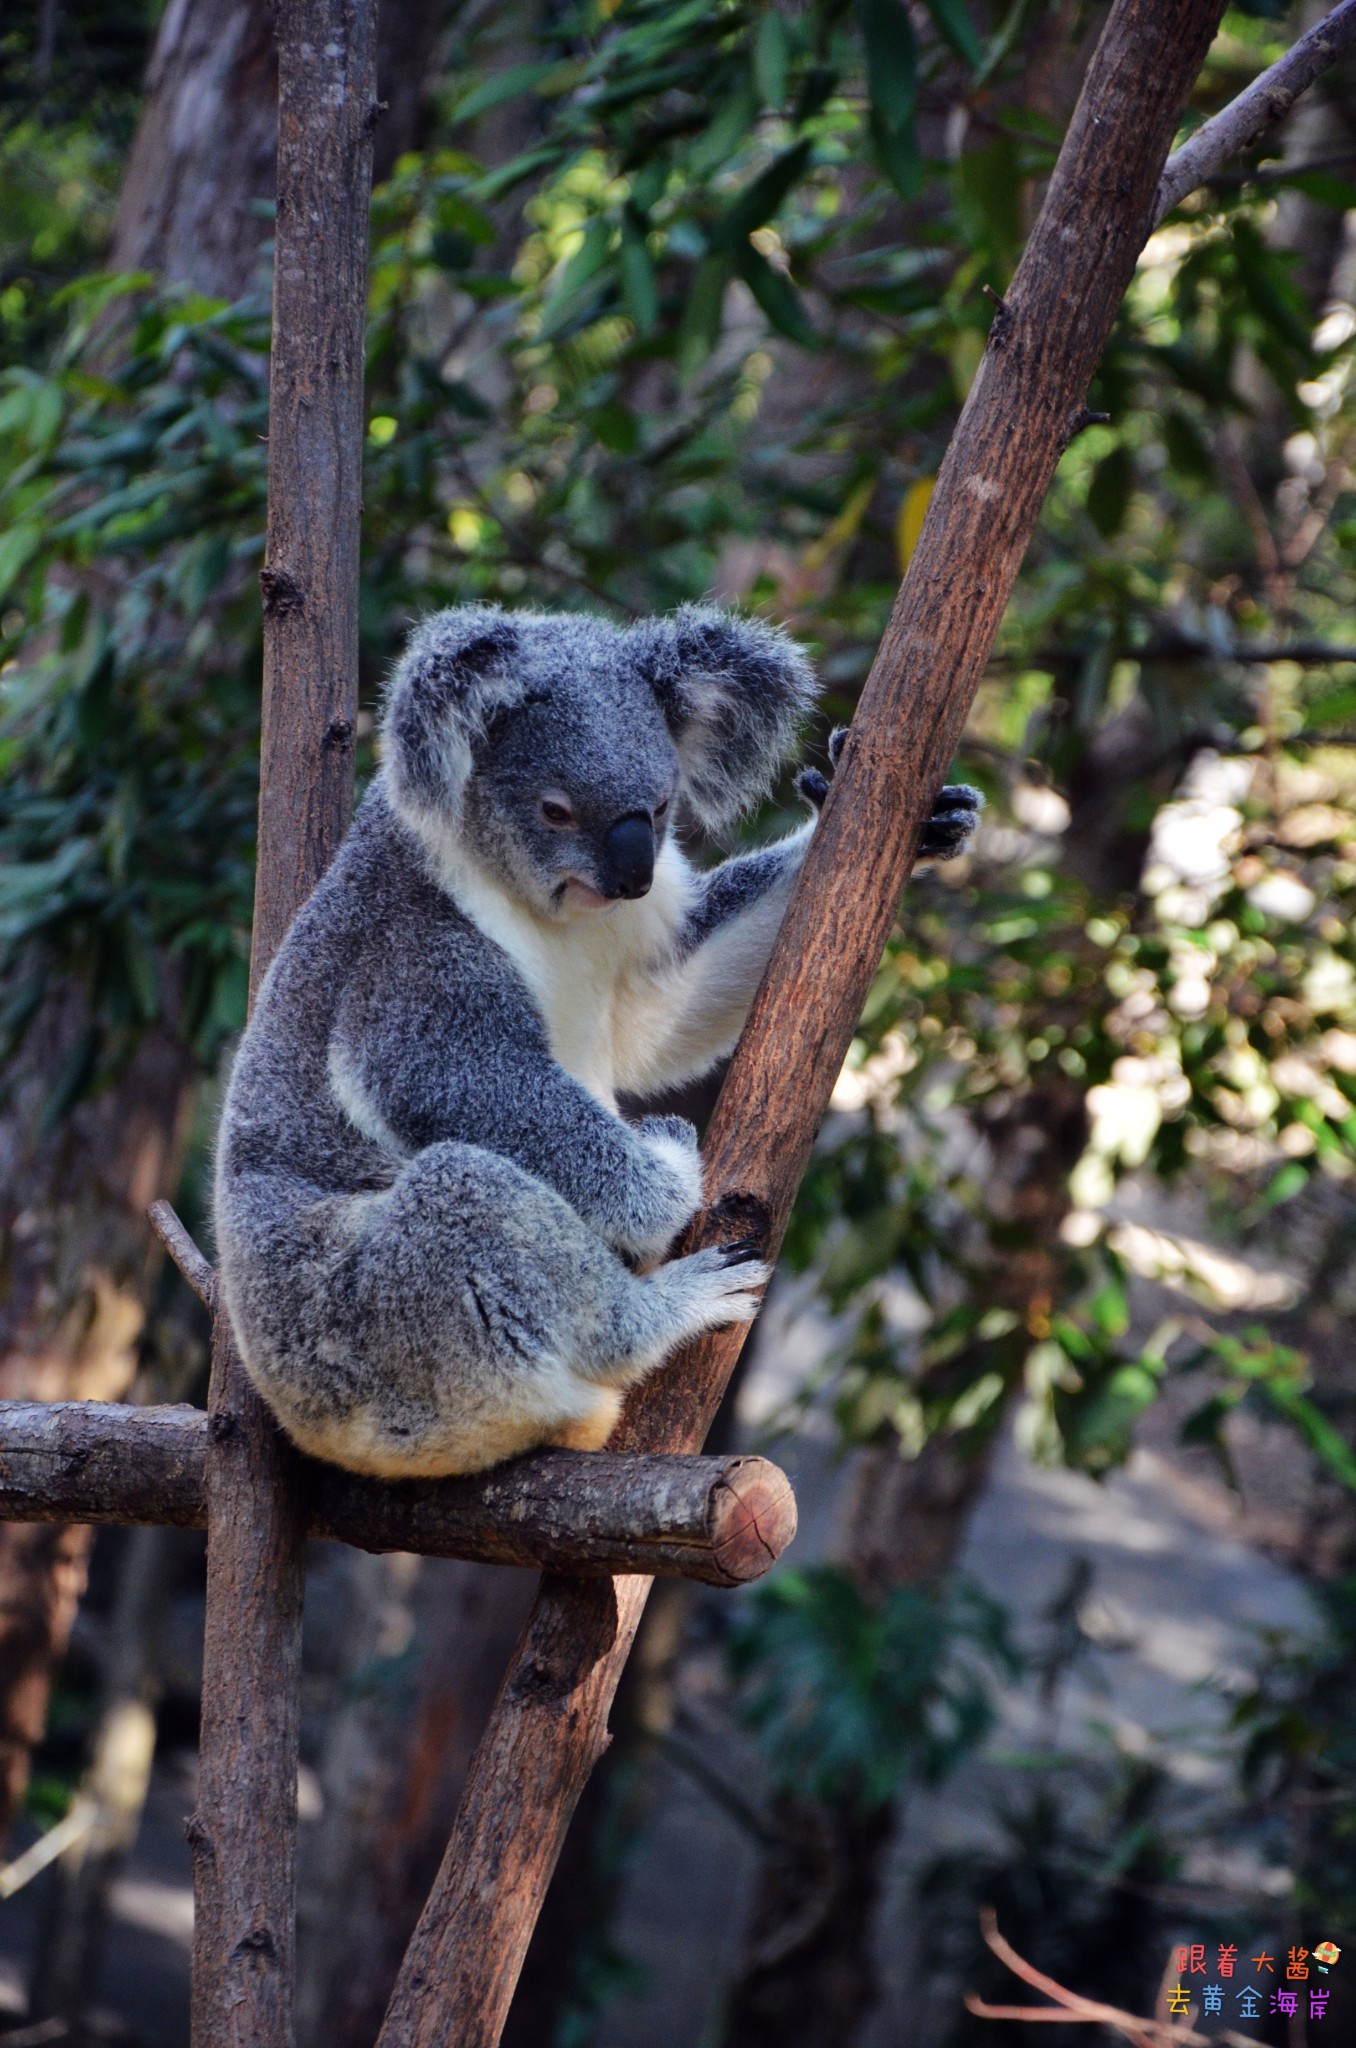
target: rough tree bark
<point>549,1724</point>
<point>194,200</point>
<point>723,1521</point>
<point>243,1833</point>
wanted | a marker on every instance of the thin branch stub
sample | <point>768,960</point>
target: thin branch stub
<point>195,1266</point>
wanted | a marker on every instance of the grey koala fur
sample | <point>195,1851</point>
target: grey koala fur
<point>429,1212</point>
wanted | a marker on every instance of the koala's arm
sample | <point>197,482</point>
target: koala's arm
<point>416,1066</point>
<point>698,1000</point>
<point>692,1008</point>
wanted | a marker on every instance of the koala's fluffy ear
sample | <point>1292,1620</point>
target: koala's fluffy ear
<point>457,670</point>
<point>733,692</point>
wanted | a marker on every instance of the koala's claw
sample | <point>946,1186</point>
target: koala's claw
<point>812,783</point>
<point>741,1251</point>
<point>948,831</point>
<point>951,827</point>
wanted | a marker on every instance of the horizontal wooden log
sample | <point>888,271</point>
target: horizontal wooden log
<point>723,1521</point>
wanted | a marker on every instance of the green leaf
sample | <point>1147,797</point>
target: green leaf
<point>17,549</point>
<point>758,202</point>
<point>989,203</point>
<point>702,314</point>
<point>892,85</point>
<point>1329,1444</point>
<point>771,56</point>
<point>1109,492</point>
<point>1335,707</point>
<point>640,289</point>
<point>727,130</point>
<point>567,298</point>
<point>953,24</point>
<point>505,85</point>
<point>777,297</point>
<point>1284,1186</point>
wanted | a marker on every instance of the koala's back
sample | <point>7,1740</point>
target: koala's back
<point>376,916</point>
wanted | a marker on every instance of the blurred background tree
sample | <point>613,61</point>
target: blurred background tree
<point>671,300</point>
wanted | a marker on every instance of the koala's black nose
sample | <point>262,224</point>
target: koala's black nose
<point>628,856</point>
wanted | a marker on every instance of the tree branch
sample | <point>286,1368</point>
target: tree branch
<point>549,1723</point>
<point>243,1833</point>
<point>723,1521</point>
<point>198,1270</point>
<point>1072,2009</point>
<point>1259,107</point>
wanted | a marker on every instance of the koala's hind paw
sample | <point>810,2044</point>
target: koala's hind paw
<point>951,827</point>
<point>708,1290</point>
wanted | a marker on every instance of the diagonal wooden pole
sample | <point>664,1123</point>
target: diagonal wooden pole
<point>549,1723</point>
<point>243,1833</point>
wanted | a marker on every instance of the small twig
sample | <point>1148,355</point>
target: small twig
<point>196,1268</point>
<point>1072,2007</point>
<point>995,298</point>
<point>1267,100</point>
<point>57,1840</point>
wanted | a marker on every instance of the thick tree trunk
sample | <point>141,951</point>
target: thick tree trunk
<point>195,196</point>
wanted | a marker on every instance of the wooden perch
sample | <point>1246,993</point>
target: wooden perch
<point>243,1834</point>
<point>549,1723</point>
<point>1259,107</point>
<point>723,1521</point>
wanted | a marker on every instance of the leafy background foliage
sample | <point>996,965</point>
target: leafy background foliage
<point>688,298</point>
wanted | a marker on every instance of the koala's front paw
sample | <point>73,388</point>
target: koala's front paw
<point>675,1128</point>
<point>951,827</point>
<point>811,783</point>
<point>673,1193</point>
<point>948,831</point>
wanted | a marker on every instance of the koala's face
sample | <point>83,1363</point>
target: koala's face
<point>572,789</point>
<point>555,747</point>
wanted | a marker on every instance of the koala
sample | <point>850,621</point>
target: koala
<point>440,1243</point>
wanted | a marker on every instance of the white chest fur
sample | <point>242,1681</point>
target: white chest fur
<point>590,977</point>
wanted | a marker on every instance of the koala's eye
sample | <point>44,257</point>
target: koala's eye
<point>556,810</point>
<point>661,809</point>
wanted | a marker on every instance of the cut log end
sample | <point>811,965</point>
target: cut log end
<point>752,1519</point>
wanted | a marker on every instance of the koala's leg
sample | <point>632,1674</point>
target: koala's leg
<point>461,1316</point>
<point>591,1432</point>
